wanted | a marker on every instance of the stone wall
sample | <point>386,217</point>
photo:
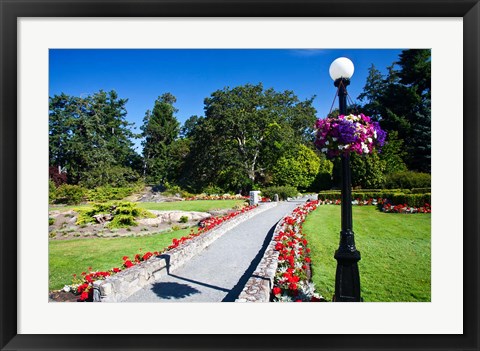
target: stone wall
<point>260,284</point>
<point>124,284</point>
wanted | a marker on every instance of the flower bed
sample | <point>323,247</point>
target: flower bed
<point>292,278</point>
<point>217,197</point>
<point>83,286</point>
<point>385,205</point>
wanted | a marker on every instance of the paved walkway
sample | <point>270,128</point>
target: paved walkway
<point>219,273</point>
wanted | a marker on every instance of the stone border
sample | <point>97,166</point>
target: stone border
<point>260,284</point>
<point>119,287</point>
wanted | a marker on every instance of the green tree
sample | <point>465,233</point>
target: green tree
<point>368,171</point>
<point>298,168</point>
<point>90,138</point>
<point>160,129</point>
<point>401,102</point>
<point>245,131</point>
<point>393,153</point>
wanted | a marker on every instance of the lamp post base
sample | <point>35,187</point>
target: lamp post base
<point>347,279</point>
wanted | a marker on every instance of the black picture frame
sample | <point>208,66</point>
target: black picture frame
<point>13,9</point>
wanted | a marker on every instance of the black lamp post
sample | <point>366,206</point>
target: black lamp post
<point>347,278</point>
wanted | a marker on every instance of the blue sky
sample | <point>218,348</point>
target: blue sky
<point>191,75</point>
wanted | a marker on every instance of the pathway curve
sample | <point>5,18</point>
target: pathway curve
<point>219,273</point>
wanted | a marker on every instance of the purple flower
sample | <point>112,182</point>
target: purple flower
<point>381,134</point>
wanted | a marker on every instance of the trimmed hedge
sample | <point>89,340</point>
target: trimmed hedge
<point>283,192</point>
<point>408,180</point>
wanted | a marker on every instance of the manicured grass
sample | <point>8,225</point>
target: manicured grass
<point>395,251</point>
<point>196,205</point>
<point>75,256</point>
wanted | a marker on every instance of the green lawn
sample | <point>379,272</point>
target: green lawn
<point>395,251</point>
<point>75,256</point>
<point>196,205</point>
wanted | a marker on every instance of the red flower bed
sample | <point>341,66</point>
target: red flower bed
<point>84,286</point>
<point>292,279</point>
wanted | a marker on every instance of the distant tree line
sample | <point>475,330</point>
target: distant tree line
<point>249,137</point>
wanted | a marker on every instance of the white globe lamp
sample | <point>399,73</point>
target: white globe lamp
<point>342,67</point>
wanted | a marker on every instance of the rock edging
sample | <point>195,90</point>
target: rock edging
<point>119,287</point>
<point>260,284</point>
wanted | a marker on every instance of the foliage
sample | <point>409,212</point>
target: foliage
<point>396,252</point>
<point>70,194</point>
<point>245,131</point>
<point>393,153</point>
<point>107,193</point>
<point>110,175</point>
<point>88,136</point>
<point>401,102</point>
<point>160,128</point>
<point>408,180</point>
<point>367,171</point>
<point>298,168</point>
<point>184,219</point>
<point>57,176</point>
<point>283,192</point>
<point>123,214</point>
<point>52,191</point>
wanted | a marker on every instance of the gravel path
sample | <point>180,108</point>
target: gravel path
<point>219,273</point>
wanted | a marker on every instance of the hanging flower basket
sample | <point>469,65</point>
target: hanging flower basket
<point>345,134</point>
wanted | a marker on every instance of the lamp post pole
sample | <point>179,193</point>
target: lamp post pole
<point>347,278</point>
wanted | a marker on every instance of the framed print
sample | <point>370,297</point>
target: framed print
<point>33,33</point>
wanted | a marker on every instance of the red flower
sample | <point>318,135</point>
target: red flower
<point>128,263</point>
<point>276,290</point>
<point>84,296</point>
<point>125,258</point>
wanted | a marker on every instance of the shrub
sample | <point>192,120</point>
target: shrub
<point>51,221</point>
<point>413,200</point>
<point>213,190</point>
<point>408,180</point>
<point>421,190</point>
<point>52,191</point>
<point>123,214</point>
<point>70,194</point>
<point>107,193</point>
<point>184,219</point>
<point>283,192</point>
<point>56,177</point>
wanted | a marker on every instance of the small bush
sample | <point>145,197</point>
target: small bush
<point>283,192</point>
<point>184,219</point>
<point>408,180</point>
<point>108,193</point>
<point>51,221</point>
<point>213,190</point>
<point>52,191</point>
<point>123,213</point>
<point>70,194</point>
<point>175,228</point>
<point>57,178</point>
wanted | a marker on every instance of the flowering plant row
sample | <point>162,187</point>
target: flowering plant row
<point>83,286</point>
<point>404,208</point>
<point>292,278</point>
<point>386,206</point>
<point>345,134</point>
<point>216,197</point>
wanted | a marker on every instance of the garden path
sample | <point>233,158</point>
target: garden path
<point>219,273</point>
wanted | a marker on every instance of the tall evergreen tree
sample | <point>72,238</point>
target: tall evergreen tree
<point>91,139</point>
<point>401,102</point>
<point>160,129</point>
